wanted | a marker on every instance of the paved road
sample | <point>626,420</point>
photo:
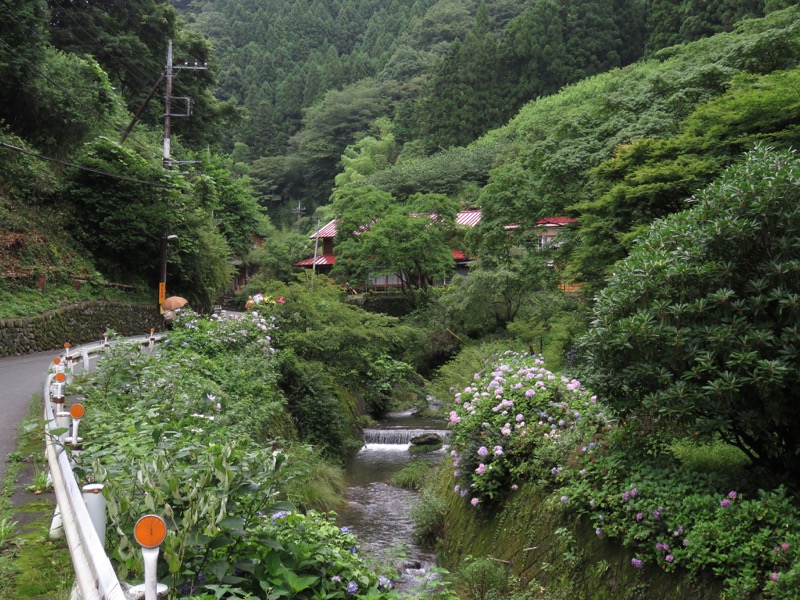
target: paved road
<point>20,378</point>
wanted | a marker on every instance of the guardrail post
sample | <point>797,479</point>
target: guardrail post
<point>96,505</point>
<point>76,411</point>
<point>149,532</point>
<point>151,342</point>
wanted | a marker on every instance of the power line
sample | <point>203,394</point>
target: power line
<point>90,169</point>
<point>67,92</point>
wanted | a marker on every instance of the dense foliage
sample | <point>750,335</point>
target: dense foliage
<point>698,326</point>
<point>518,424</point>
<point>200,434</point>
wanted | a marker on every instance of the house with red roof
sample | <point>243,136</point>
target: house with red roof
<point>324,257</point>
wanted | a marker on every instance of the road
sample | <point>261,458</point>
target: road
<point>20,378</point>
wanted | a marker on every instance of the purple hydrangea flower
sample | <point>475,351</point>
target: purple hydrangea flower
<point>637,563</point>
<point>352,587</point>
<point>774,576</point>
<point>474,501</point>
<point>725,503</point>
<point>483,451</point>
<point>732,495</point>
<point>669,558</point>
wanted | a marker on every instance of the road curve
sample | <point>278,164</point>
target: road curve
<point>20,378</point>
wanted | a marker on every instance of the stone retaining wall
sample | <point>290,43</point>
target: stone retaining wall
<point>77,324</point>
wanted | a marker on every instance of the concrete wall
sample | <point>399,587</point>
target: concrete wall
<point>76,324</point>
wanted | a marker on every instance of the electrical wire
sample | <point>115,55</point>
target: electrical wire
<point>143,145</point>
<point>90,169</point>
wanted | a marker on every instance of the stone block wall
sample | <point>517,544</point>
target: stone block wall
<point>77,324</point>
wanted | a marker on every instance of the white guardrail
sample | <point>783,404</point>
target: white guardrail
<point>95,578</point>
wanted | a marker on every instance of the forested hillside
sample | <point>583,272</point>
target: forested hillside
<point>313,76</point>
<point>517,107</point>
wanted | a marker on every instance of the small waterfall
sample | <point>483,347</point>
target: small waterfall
<point>400,436</point>
<point>377,511</point>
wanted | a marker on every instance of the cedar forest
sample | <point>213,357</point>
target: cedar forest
<point>666,129</point>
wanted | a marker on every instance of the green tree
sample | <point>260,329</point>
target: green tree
<point>650,178</point>
<point>698,327</point>
<point>121,217</point>
<point>330,127</point>
<point>409,240</point>
<point>369,155</point>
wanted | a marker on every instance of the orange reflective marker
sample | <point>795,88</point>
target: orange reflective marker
<point>150,531</point>
<point>152,329</point>
<point>57,360</point>
<point>76,411</point>
<point>60,377</point>
<point>67,345</point>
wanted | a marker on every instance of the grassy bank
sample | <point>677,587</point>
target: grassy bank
<point>32,567</point>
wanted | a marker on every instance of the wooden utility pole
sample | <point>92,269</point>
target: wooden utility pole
<point>299,211</point>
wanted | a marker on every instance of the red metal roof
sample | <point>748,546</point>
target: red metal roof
<point>328,231</point>
<point>322,260</point>
<point>556,221</point>
<point>468,218</point>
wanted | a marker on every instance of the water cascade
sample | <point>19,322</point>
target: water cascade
<point>379,512</point>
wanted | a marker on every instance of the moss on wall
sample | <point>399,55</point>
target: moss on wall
<point>76,324</point>
<point>543,547</point>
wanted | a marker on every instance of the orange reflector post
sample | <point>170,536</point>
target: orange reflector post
<point>60,377</point>
<point>76,411</point>
<point>57,360</point>
<point>67,345</point>
<point>150,531</point>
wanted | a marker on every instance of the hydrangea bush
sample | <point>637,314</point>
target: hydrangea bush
<point>519,424</point>
<point>517,420</point>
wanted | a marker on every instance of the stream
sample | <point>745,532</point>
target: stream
<point>378,512</point>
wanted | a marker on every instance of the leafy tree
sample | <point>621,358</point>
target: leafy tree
<point>127,38</point>
<point>368,155</point>
<point>277,255</point>
<point>330,127</point>
<point>492,296</point>
<point>22,27</point>
<point>230,200</point>
<point>121,218</point>
<point>698,327</point>
<point>63,102</point>
<point>409,240</point>
<point>650,178</point>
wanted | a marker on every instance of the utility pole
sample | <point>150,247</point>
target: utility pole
<point>299,211</point>
<point>169,74</point>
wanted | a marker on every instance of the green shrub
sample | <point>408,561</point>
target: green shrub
<point>413,475</point>
<point>698,327</point>
<point>482,579</point>
<point>428,515</point>
<point>169,435</point>
<point>625,483</point>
